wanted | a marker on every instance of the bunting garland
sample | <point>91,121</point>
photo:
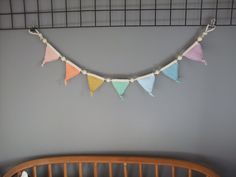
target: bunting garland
<point>71,71</point>
<point>120,85</point>
<point>94,82</point>
<point>171,71</point>
<point>50,55</point>
<point>147,81</point>
<point>195,53</point>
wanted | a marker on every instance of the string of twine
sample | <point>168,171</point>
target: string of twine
<point>209,28</point>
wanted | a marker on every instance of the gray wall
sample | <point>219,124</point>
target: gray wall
<point>192,120</point>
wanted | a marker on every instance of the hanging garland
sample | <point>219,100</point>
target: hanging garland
<point>194,52</point>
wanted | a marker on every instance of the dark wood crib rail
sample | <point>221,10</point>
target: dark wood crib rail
<point>110,160</point>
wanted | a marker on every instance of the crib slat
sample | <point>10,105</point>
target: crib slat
<point>110,170</point>
<point>49,170</point>
<point>34,171</point>
<point>80,169</point>
<point>65,170</point>
<point>189,173</point>
<point>125,170</point>
<point>95,170</point>
<point>140,170</point>
<point>156,170</point>
<point>173,171</point>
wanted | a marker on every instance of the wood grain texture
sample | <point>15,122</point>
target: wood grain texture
<point>110,160</point>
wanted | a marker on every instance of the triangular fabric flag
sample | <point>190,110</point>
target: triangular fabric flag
<point>50,55</point>
<point>71,71</point>
<point>94,82</point>
<point>120,86</point>
<point>147,82</point>
<point>172,71</point>
<point>195,53</point>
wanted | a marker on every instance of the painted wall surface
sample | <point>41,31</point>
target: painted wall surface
<point>193,120</point>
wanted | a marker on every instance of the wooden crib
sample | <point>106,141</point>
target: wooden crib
<point>126,163</point>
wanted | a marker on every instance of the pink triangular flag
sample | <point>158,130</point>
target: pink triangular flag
<point>195,53</point>
<point>50,55</point>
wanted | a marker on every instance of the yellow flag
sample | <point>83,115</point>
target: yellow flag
<point>94,82</point>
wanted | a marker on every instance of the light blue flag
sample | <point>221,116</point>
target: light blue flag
<point>147,82</point>
<point>120,86</point>
<point>172,71</point>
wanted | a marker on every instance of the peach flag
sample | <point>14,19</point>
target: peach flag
<point>71,71</point>
<point>50,55</point>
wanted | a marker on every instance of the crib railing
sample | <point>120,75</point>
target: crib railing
<point>124,161</point>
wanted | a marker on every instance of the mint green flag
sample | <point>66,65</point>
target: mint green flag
<point>120,86</point>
